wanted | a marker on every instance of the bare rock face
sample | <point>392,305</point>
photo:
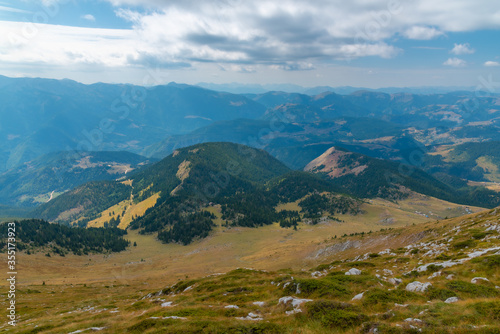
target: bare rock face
<point>476,280</point>
<point>294,302</point>
<point>358,296</point>
<point>353,271</point>
<point>417,286</point>
<point>333,162</point>
<point>451,300</point>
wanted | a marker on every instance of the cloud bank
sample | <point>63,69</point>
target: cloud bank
<point>240,36</point>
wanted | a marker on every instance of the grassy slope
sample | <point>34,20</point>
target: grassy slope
<point>119,280</point>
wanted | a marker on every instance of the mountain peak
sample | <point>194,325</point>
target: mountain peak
<point>336,163</point>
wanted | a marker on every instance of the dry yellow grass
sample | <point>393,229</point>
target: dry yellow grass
<point>269,247</point>
<point>491,168</point>
<point>126,210</point>
<point>106,290</point>
<point>293,206</point>
<point>495,186</point>
<point>137,210</point>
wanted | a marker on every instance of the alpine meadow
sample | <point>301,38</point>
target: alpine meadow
<point>250,167</point>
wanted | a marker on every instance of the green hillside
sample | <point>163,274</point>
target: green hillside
<point>87,201</point>
<point>367,177</point>
<point>40,180</point>
<point>469,161</point>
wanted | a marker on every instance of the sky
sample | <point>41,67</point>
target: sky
<point>362,43</point>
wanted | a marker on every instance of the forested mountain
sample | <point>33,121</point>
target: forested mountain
<point>199,173</point>
<point>42,179</point>
<point>368,177</point>
<point>245,182</point>
<point>247,185</point>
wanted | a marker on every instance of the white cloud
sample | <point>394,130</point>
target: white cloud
<point>12,10</point>
<point>88,17</point>
<point>289,66</point>
<point>455,62</point>
<point>394,15</point>
<point>63,45</point>
<point>490,63</point>
<point>247,36</point>
<point>462,49</point>
<point>422,33</point>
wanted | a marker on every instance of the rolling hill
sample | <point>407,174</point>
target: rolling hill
<point>44,178</point>
<point>369,177</point>
<point>185,181</point>
<point>175,198</point>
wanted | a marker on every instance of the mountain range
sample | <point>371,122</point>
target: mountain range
<point>41,116</point>
<point>424,142</point>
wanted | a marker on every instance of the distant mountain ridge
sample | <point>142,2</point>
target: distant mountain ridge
<point>238,88</point>
<point>39,116</point>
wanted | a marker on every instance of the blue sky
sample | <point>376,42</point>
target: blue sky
<point>365,43</point>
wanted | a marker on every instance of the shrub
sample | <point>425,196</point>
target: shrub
<point>322,267</point>
<point>319,287</point>
<point>437,293</point>
<point>432,268</point>
<point>360,264</point>
<point>479,235</point>
<point>182,285</point>
<point>464,244</point>
<point>147,324</point>
<point>473,290</point>
<point>490,310</point>
<point>260,328</point>
<point>443,257</point>
<point>490,262</point>
<point>333,314</point>
<point>383,297</point>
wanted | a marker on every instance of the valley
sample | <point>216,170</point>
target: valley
<point>264,247</point>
